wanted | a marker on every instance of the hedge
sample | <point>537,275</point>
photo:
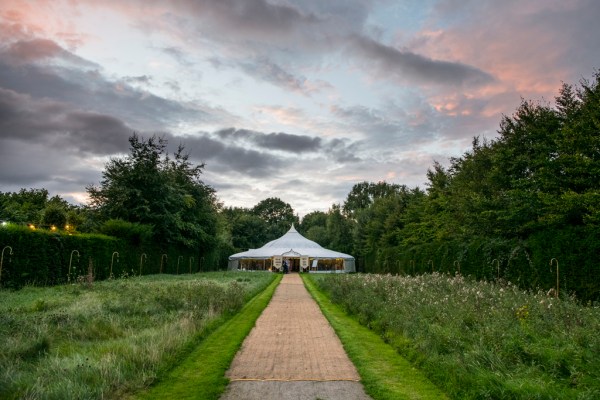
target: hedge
<point>41,257</point>
<point>525,262</point>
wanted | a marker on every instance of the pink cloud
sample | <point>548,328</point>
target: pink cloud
<point>24,20</point>
<point>33,50</point>
<point>525,45</point>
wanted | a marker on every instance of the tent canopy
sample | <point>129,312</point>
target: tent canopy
<point>293,244</point>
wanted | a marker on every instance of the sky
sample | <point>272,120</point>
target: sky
<point>295,99</point>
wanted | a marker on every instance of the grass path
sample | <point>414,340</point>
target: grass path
<point>385,374</point>
<point>202,374</point>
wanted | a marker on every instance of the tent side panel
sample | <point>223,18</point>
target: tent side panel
<point>232,265</point>
<point>349,266</point>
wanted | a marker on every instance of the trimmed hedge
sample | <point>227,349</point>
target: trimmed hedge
<point>42,257</point>
<point>524,262</point>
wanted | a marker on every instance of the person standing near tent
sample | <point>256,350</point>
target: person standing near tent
<point>285,267</point>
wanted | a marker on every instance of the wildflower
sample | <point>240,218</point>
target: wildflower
<point>522,313</point>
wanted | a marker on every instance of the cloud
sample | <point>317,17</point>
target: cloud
<point>34,50</point>
<point>178,54</point>
<point>229,158</point>
<point>37,50</point>
<point>256,154</point>
<point>35,165</point>
<point>391,125</point>
<point>264,69</point>
<point>141,79</point>
<point>89,89</point>
<point>529,47</point>
<point>59,127</point>
<point>253,19</point>
<point>407,66</point>
<point>272,141</point>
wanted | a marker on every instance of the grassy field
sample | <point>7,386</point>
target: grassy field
<point>107,339</point>
<point>479,340</point>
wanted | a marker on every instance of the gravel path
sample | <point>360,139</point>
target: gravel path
<point>293,353</point>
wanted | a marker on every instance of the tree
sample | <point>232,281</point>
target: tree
<point>339,231</point>
<point>278,215</point>
<point>54,215</point>
<point>315,218</point>
<point>245,230</point>
<point>149,187</point>
<point>363,194</point>
<point>23,207</point>
<point>314,227</point>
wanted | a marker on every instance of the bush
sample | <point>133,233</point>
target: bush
<point>132,233</point>
<point>54,215</point>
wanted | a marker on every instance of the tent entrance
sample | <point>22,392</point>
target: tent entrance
<point>293,264</point>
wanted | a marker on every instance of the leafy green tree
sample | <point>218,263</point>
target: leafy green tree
<point>151,188</point>
<point>278,215</point>
<point>314,227</point>
<point>54,215</point>
<point>363,194</point>
<point>339,231</point>
<point>248,231</point>
<point>23,207</point>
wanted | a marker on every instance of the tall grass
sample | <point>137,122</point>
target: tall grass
<point>99,340</point>
<point>480,340</point>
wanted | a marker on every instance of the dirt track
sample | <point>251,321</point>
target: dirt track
<point>293,353</point>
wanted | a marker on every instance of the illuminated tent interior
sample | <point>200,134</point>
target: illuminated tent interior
<point>298,252</point>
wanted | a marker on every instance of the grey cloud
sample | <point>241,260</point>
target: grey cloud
<point>255,154</point>
<point>343,152</point>
<point>34,164</point>
<point>173,85</point>
<point>16,166</point>
<point>87,89</point>
<point>59,127</point>
<point>142,79</point>
<point>272,141</point>
<point>32,50</point>
<point>266,70</point>
<point>407,66</point>
<point>376,126</point>
<point>258,18</point>
<point>97,133</point>
<point>310,29</point>
<point>222,157</point>
<point>82,84</point>
<point>178,55</point>
<point>367,120</point>
<point>287,142</point>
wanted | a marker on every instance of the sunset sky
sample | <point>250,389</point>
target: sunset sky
<point>279,98</point>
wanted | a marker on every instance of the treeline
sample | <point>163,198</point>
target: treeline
<point>504,209</point>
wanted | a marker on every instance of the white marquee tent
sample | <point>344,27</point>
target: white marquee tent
<point>295,249</point>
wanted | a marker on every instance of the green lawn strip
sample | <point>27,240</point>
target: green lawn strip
<point>202,374</point>
<point>384,373</point>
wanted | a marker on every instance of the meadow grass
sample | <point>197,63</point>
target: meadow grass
<point>109,338</point>
<point>202,374</point>
<point>479,340</point>
<point>385,375</point>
